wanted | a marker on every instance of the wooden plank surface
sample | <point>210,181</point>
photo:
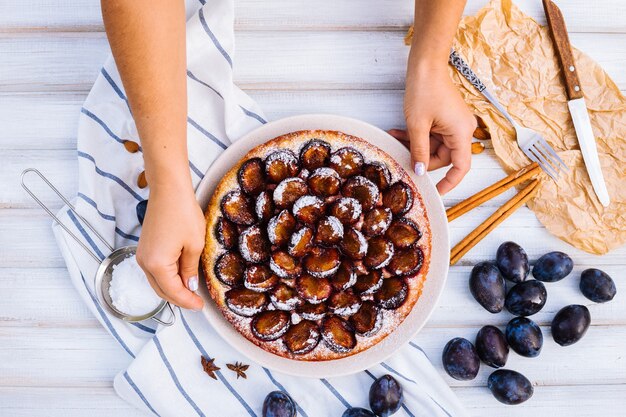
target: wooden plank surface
<point>56,360</point>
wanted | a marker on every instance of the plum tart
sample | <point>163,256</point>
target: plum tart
<point>317,245</point>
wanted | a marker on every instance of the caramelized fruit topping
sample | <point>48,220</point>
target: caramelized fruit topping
<point>251,176</point>
<point>264,206</point>
<point>322,262</point>
<point>300,242</point>
<point>368,320</point>
<point>288,191</point>
<point>280,228</point>
<point>238,208</point>
<point>338,334</point>
<point>314,290</point>
<point>368,283</point>
<point>259,278</point>
<point>315,154</point>
<point>253,245</point>
<point>313,312</point>
<point>245,302</point>
<point>230,268</point>
<point>226,233</point>
<point>346,161</point>
<point>324,182</point>
<point>280,165</point>
<point>344,303</point>
<point>345,276</point>
<point>399,198</point>
<point>364,190</point>
<point>376,221</point>
<point>378,173</point>
<point>347,210</point>
<point>270,325</point>
<point>284,265</point>
<point>379,253</point>
<point>329,231</point>
<point>302,338</point>
<point>285,298</point>
<point>403,233</point>
<point>392,293</point>
<point>406,261</point>
<point>308,209</point>
<point>354,244</point>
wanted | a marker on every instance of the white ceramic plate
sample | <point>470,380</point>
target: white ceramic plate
<point>437,273</point>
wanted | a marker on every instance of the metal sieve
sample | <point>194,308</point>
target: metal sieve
<point>102,280</point>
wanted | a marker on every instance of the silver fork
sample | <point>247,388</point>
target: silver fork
<point>530,142</point>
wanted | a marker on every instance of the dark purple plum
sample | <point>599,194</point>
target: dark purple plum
<point>492,347</point>
<point>278,404</point>
<point>487,286</point>
<point>512,261</point>
<point>597,285</point>
<point>526,298</point>
<point>524,337</point>
<point>509,387</point>
<point>460,359</point>
<point>357,412</point>
<point>386,396</point>
<point>141,208</point>
<point>553,266</point>
<point>570,324</point>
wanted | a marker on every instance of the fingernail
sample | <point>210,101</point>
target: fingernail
<point>420,168</point>
<point>192,283</point>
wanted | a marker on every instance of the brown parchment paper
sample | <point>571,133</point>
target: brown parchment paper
<point>513,55</point>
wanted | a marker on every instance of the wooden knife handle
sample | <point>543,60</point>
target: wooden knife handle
<point>563,49</point>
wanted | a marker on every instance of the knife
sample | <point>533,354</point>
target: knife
<point>576,100</point>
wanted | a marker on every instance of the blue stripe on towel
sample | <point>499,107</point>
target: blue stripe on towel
<point>126,235</point>
<point>110,176</point>
<point>83,232</point>
<point>393,371</point>
<point>196,170</point>
<point>215,41</point>
<point>95,205</point>
<point>253,115</point>
<point>335,393</point>
<point>280,387</point>
<point>157,343</point>
<point>206,133</point>
<point>193,77</point>
<point>204,353</point>
<point>101,123</point>
<point>144,328</point>
<point>139,393</point>
<point>418,348</point>
<point>115,86</point>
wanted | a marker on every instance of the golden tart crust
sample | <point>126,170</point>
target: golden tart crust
<point>295,141</point>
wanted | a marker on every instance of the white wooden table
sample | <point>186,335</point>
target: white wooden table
<point>294,56</point>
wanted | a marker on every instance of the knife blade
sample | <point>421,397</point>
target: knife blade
<point>576,100</point>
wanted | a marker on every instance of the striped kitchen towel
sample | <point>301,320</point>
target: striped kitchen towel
<point>164,376</point>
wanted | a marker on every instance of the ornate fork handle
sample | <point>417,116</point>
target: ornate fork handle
<point>465,70</point>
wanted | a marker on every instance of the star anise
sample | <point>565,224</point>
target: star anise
<point>239,368</point>
<point>209,367</point>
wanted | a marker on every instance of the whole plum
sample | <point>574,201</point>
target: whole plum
<point>487,286</point>
<point>460,359</point>
<point>357,412</point>
<point>570,324</point>
<point>553,266</point>
<point>524,336</point>
<point>597,285</point>
<point>386,396</point>
<point>526,298</point>
<point>509,387</point>
<point>492,347</point>
<point>512,261</point>
<point>278,404</point>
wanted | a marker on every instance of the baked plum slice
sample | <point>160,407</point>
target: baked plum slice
<point>230,268</point>
<point>324,182</point>
<point>285,265</point>
<point>314,290</point>
<point>259,278</point>
<point>264,206</point>
<point>368,320</point>
<point>251,176</point>
<point>308,209</point>
<point>238,208</point>
<point>345,276</point>
<point>348,210</point>
<point>398,197</point>
<point>245,302</point>
<point>376,221</point>
<point>392,293</point>
<point>403,233</point>
<point>226,233</point>
<point>407,261</point>
<point>329,231</point>
<point>270,325</point>
<point>285,298</point>
<point>379,253</point>
<point>354,244</point>
<point>338,334</point>
<point>368,283</point>
<point>302,338</point>
<point>313,312</point>
<point>315,154</point>
<point>300,242</point>
<point>364,190</point>
<point>281,164</point>
<point>280,228</point>
<point>253,245</point>
<point>288,191</point>
<point>346,161</point>
<point>344,303</point>
<point>322,262</point>
<point>378,173</point>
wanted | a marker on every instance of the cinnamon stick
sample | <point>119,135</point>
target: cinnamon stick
<point>492,222</point>
<point>493,190</point>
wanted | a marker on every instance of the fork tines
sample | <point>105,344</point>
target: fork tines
<point>539,151</point>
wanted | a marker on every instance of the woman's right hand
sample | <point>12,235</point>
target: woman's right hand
<point>170,245</point>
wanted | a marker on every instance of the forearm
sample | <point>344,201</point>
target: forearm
<point>148,44</point>
<point>435,25</point>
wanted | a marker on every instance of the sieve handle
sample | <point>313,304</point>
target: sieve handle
<point>172,319</point>
<point>56,219</point>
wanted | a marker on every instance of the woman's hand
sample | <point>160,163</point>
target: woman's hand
<point>171,241</point>
<point>439,123</point>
